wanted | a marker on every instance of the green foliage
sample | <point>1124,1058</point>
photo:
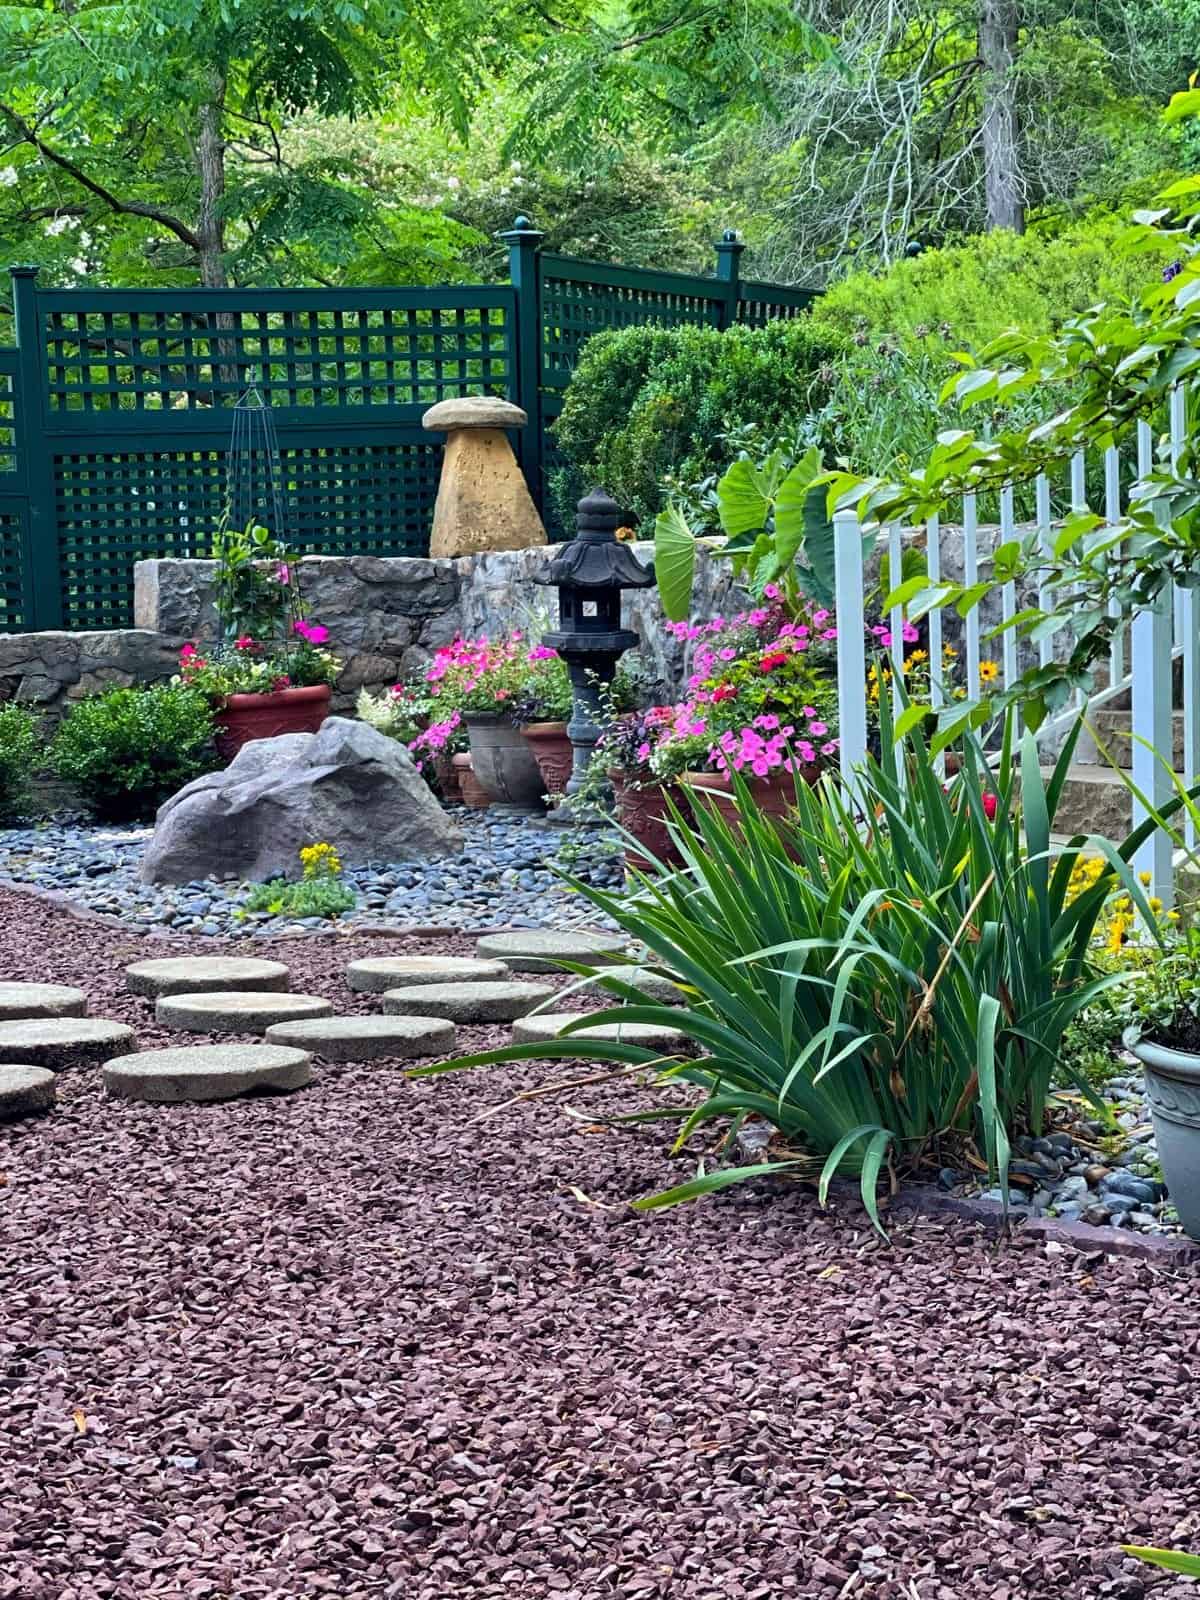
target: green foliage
<point>20,743</point>
<point>871,997</point>
<point>128,750</point>
<point>1171,1560</point>
<point>311,897</point>
<point>1093,380</point>
<point>650,405</point>
<point>252,586</point>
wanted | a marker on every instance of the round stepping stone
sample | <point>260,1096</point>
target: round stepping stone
<point>205,975</point>
<point>366,1038</point>
<point>20,1001</point>
<point>381,973</point>
<point>549,1025</point>
<point>654,985</point>
<point>545,949</point>
<point>25,1091</point>
<point>466,1002</point>
<point>236,1010</point>
<point>206,1072</point>
<point>63,1041</point>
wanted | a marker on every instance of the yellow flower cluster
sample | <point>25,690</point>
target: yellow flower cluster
<point>1122,918</point>
<point>321,861</point>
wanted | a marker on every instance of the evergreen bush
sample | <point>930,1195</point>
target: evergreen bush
<point>128,750</point>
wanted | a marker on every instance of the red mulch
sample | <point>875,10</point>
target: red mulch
<point>352,1343</point>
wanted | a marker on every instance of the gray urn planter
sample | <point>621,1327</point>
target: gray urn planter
<point>1173,1089</point>
<point>503,761</point>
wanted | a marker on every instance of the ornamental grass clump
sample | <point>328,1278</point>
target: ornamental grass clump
<point>886,981</point>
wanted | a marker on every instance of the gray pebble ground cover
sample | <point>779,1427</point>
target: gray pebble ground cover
<point>502,879</point>
<point>357,1342</point>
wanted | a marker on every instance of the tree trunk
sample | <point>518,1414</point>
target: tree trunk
<point>210,159</point>
<point>1003,179</point>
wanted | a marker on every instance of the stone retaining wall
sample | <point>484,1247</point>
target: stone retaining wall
<point>48,671</point>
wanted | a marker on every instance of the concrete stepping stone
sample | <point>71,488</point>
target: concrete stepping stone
<point>366,1038</point>
<point>381,973</point>
<point>549,1025</point>
<point>205,975</point>
<point>545,949</point>
<point>655,986</point>
<point>25,1092</point>
<point>206,1072</point>
<point>466,1002</point>
<point>63,1041</point>
<point>19,1001</point>
<point>236,1010</point>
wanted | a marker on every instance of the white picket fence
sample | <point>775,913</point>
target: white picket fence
<point>1144,660</point>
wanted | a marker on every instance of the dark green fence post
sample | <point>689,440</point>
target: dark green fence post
<point>729,275</point>
<point>523,240</point>
<point>41,582</point>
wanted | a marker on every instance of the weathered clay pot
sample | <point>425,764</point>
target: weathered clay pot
<point>503,762</point>
<point>1172,1080</point>
<point>244,717</point>
<point>470,789</point>
<point>775,795</point>
<point>643,812</point>
<point>553,752</point>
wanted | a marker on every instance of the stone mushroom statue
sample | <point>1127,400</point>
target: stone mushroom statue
<point>483,502</point>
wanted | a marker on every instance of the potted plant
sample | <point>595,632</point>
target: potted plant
<point>640,794</point>
<point>269,675</point>
<point>541,708</point>
<point>1165,1039</point>
<point>482,680</point>
<point>430,729</point>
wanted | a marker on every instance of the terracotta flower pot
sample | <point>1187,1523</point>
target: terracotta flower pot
<point>244,717</point>
<point>553,752</point>
<point>775,795</point>
<point>643,812</point>
<point>503,762</point>
<point>471,790</point>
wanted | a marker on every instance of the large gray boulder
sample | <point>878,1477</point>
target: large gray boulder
<point>348,785</point>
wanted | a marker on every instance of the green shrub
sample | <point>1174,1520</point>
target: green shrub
<point>882,1001</point>
<point>128,750</point>
<point>967,294</point>
<point>648,406</point>
<point>19,742</point>
<point>319,893</point>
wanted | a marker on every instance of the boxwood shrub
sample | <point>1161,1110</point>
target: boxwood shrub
<point>128,750</point>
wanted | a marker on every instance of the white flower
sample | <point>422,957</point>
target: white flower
<point>58,225</point>
<point>8,176</point>
<point>452,183</point>
<point>79,265</point>
<point>516,166</point>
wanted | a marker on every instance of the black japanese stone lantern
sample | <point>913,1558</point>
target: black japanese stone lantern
<point>589,574</point>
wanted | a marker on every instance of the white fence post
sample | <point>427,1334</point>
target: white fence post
<point>1153,733</point>
<point>851,642</point>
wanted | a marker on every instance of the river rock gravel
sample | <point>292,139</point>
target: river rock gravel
<point>364,1341</point>
<point>504,878</point>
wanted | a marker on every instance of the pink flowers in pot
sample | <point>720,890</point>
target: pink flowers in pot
<point>766,745</point>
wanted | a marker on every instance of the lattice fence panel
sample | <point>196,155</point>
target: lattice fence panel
<point>115,510</point>
<point>573,311</point>
<point>8,432</point>
<point>12,618</point>
<point>103,360</point>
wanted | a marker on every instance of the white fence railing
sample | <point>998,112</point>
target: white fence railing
<point>1154,661</point>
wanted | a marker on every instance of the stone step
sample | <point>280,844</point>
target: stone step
<point>656,986</point>
<point>1112,736</point>
<point>545,949</point>
<point>26,1091</point>
<point>237,1010</point>
<point>206,1072</point>
<point>379,973</point>
<point>20,1001</point>
<point>1094,800</point>
<point>206,975</point>
<point>63,1041</point>
<point>466,1002</point>
<point>549,1025</point>
<point>367,1038</point>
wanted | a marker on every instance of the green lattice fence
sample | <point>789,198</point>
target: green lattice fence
<point>116,408</point>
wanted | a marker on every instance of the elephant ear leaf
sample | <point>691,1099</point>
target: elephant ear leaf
<point>674,563</point>
<point>746,494</point>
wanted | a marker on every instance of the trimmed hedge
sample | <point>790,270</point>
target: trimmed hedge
<point>647,406</point>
